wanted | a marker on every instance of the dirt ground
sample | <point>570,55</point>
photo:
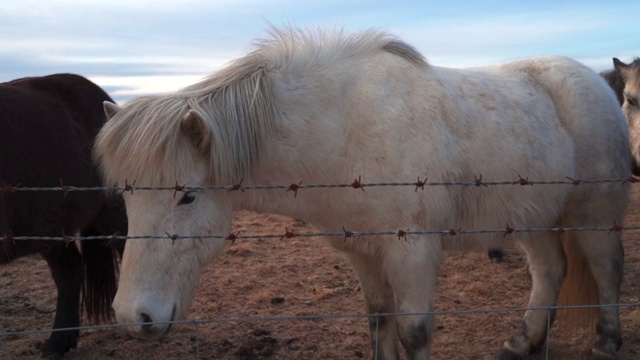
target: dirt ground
<point>305,276</point>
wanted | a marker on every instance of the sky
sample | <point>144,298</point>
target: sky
<point>140,47</point>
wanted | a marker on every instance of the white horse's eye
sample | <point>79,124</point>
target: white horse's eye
<point>187,198</point>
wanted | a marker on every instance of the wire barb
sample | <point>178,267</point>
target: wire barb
<point>402,234</point>
<point>65,189</point>
<point>420,184</point>
<point>509,230</point>
<point>357,183</point>
<point>236,187</point>
<point>173,237</point>
<point>294,187</point>
<point>289,234</point>
<point>8,188</point>
<point>9,238</point>
<point>523,181</point>
<point>451,232</point>
<point>574,181</point>
<point>233,237</point>
<point>128,187</point>
<point>177,188</point>
<point>616,228</point>
<point>347,234</point>
<point>114,240</point>
<point>66,239</point>
<point>477,181</point>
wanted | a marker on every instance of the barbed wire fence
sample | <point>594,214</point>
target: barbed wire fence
<point>294,188</point>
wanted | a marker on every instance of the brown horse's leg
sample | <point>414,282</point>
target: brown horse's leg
<point>378,298</point>
<point>66,269</point>
<point>547,266</point>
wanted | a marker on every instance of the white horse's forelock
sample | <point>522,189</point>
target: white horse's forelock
<point>237,104</point>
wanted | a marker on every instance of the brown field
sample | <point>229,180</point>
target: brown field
<point>305,276</point>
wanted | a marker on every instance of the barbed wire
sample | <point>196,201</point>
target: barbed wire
<point>321,317</point>
<point>294,187</point>
<point>290,234</point>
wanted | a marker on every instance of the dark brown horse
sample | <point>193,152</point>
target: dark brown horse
<point>47,129</point>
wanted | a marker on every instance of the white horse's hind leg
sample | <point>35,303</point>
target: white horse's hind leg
<point>605,255</point>
<point>378,297</point>
<point>547,266</point>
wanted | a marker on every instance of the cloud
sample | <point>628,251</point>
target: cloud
<point>496,38</point>
<point>129,45</point>
<point>121,88</point>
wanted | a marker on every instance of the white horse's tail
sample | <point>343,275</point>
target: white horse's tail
<point>579,287</point>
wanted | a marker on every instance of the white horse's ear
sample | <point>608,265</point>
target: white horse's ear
<point>110,109</point>
<point>194,126</point>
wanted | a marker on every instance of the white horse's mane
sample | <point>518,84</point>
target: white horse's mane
<point>237,103</point>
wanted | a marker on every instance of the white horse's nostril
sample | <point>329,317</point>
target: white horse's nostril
<point>146,319</point>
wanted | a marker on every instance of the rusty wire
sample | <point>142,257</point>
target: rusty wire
<point>296,186</point>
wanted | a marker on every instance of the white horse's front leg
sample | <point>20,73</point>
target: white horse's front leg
<point>412,268</point>
<point>547,266</point>
<point>378,298</point>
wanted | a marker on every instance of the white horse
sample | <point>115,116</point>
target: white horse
<point>328,107</point>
